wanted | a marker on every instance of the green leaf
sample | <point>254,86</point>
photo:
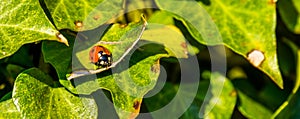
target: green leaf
<point>169,36</point>
<point>156,18</point>
<point>22,21</point>
<point>289,11</point>
<point>35,96</point>
<point>162,98</point>
<point>168,92</point>
<point>213,108</point>
<point>143,66</point>
<point>252,109</point>
<point>6,97</point>
<point>290,107</point>
<point>220,104</point>
<point>117,40</point>
<point>238,23</point>
<point>127,84</point>
<point>92,13</point>
<point>60,57</point>
<point>8,110</point>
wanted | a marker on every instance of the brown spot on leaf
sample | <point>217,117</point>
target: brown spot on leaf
<point>123,25</point>
<point>156,67</point>
<point>96,17</point>
<point>78,24</point>
<point>233,93</point>
<point>136,105</point>
<point>184,46</point>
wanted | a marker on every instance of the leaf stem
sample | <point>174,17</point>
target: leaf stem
<point>295,89</point>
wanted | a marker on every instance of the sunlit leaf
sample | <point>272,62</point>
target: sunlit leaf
<point>91,13</point>
<point>237,22</point>
<point>169,36</point>
<point>22,21</point>
<point>8,110</point>
<point>36,96</point>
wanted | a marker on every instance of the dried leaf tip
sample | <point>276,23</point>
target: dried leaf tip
<point>256,57</point>
<point>62,39</point>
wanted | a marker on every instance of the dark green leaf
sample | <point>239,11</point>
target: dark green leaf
<point>289,108</point>
<point>59,56</point>
<point>252,109</point>
<point>290,11</point>
<point>6,97</point>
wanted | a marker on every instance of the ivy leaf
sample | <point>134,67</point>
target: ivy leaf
<point>117,39</point>
<point>289,11</point>
<point>238,23</point>
<point>35,95</point>
<point>168,93</point>
<point>132,78</point>
<point>22,21</point>
<point>252,109</point>
<point>127,92</point>
<point>8,110</point>
<point>220,104</point>
<point>91,13</point>
<point>136,74</point>
<point>53,52</point>
<point>169,36</point>
<point>289,108</point>
<point>129,83</point>
<point>116,33</point>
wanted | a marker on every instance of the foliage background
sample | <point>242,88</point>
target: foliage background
<point>32,65</point>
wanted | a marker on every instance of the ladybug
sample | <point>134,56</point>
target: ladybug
<point>100,56</point>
